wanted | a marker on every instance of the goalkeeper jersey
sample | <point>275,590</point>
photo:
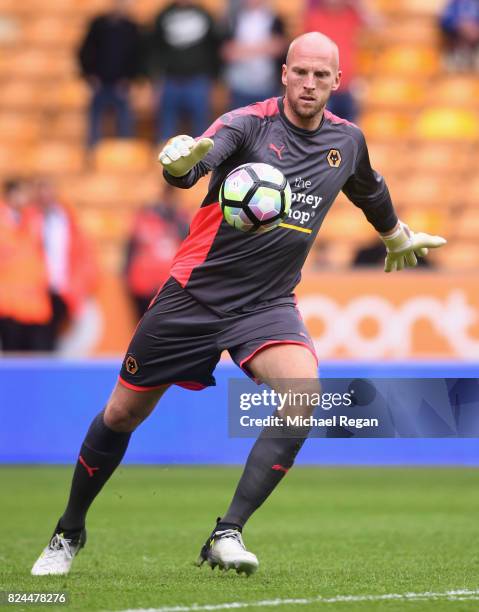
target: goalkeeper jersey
<point>229,270</point>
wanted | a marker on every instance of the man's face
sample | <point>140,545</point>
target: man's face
<point>334,4</point>
<point>252,4</point>
<point>19,197</point>
<point>121,7</point>
<point>309,79</point>
<point>44,193</point>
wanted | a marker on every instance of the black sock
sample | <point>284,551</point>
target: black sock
<point>100,454</point>
<point>270,458</point>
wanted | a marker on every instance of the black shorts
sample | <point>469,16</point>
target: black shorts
<point>179,341</point>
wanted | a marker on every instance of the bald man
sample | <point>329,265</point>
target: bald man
<point>218,297</point>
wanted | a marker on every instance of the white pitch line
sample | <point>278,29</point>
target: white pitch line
<point>457,595</point>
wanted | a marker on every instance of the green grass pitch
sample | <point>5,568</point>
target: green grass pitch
<point>325,532</point>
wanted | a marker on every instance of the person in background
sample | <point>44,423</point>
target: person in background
<point>156,235</point>
<point>69,259</point>
<point>254,47</point>
<point>110,58</point>
<point>183,61</point>
<point>459,23</point>
<point>25,308</point>
<point>342,21</point>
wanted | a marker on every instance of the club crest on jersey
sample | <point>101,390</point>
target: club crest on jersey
<point>334,158</point>
<point>131,364</point>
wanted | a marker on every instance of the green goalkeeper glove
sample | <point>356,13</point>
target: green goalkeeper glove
<point>404,246</point>
<point>181,153</point>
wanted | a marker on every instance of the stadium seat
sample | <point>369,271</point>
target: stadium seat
<point>113,190</point>
<point>142,98</point>
<point>191,198</point>
<point>466,225</point>
<point>18,127</point>
<point>13,7</point>
<point>55,158</point>
<point>385,125</point>
<point>393,92</point>
<point>69,126</point>
<point>106,224</point>
<point>91,7</point>
<point>337,254</point>
<point>123,156</point>
<point>291,12</point>
<point>440,157</point>
<point>409,7</point>
<point>69,94</point>
<point>422,190</point>
<point>52,31</point>
<point>447,123</point>
<point>458,255</point>
<point>458,90</point>
<point>39,64</point>
<point>19,94</point>
<point>95,189</point>
<point>49,7</point>
<point>428,220</point>
<point>421,7</point>
<point>471,190</point>
<point>408,61</point>
<point>10,30</point>
<point>388,157</point>
<point>145,10</point>
<point>345,219</point>
<point>407,30</point>
<point>12,160</point>
<point>366,59</point>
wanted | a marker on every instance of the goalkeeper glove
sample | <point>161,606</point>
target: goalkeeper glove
<point>181,153</point>
<point>404,246</point>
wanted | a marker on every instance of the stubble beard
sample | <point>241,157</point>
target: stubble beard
<point>307,113</point>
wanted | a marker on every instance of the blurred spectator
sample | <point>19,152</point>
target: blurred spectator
<point>374,254</point>
<point>110,57</point>
<point>156,235</point>
<point>24,300</point>
<point>342,21</point>
<point>183,60</point>
<point>255,45</point>
<point>70,263</point>
<point>460,26</point>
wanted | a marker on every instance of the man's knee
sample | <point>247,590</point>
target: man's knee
<point>303,396</point>
<point>126,409</point>
<point>120,417</point>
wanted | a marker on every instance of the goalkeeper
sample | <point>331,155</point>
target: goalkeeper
<point>219,298</point>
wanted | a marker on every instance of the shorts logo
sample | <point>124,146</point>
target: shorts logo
<point>131,365</point>
<point>334,158</point>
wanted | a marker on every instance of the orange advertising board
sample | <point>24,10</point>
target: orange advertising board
<point>406,315</point>
<point>355,315</point>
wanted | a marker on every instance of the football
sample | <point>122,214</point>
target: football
<point>255,198</point>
